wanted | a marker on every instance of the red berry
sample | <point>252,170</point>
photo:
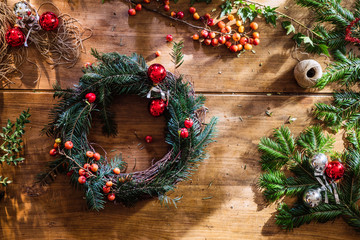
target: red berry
<point>188,123</point>
<point>86,166</point>
<point>251,40</point>
<point>97,156</point>
<point>87,65</point>
<point>157,53</point>
<point>166,8</point>
<point>69,145</point>
<point>82,172</point>
<point>221,24</point>
<point>173,14</point>
<point>138,7</point>
<point>222,40</point>
<point>148,139</point>
<point>204,33</point>
<point>146,1</point>
<point>234,48</point>
<point>227,37</point>
<point>207,16</point>
<point>90,97</point>
<point>210,22</point>
<point>192,10</point>
<point>180,15</point>
<point>184,133</point>
<point>169,38</point>
<point>243,40</point>
<point>111,197</point>
<point>207,41</point>
<point>53,152</point>
<point>195,37</point>
<point>116,170</point>
<point>89,154</point>
<point>254,25</point>
<point>94,167</point>
<point>106,189</point>
<point>82,179</point>
<point>256,41</point>
<point>212,35</point>
<point>228,44</point>
<point>109,183</point>
<point>214,42</point>
<point>132,12</point>
<point>196,16</point>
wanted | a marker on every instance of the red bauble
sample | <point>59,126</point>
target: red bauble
<point>148,139</point>
<point>335,170</point>
<point>188,123</point>
<point>90,97</point>
<point>157,107</point>
<point>15,37</point>
<point>49,21</point>
<point>156,73</point>
<point>184,133</point>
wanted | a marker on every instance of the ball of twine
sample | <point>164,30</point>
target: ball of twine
<point>307,73</point>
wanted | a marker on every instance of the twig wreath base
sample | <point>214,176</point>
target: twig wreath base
<point>116,74</point>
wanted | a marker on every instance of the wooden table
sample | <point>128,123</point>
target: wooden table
<point>236,88</point>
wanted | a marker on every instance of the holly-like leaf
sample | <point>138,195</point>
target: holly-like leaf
<point>247,13</point>
<point>288,27</point>
<point>307,40</point>
<point>299,38</point>
<point>226,8</point>
<point>270,15</point>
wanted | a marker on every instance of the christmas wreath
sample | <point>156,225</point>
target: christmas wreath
<point>116,74</point>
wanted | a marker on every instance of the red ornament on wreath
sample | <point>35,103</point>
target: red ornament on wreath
<point>15,37</point>
<point>49,21</point>
<point>188,123</point>
<point>157,107</point>
<point>156,72</point>
<point>335,170</point>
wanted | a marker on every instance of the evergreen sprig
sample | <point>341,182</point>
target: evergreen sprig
<point>177,54</point>
<point>115,74</point>
<point>283,153</point>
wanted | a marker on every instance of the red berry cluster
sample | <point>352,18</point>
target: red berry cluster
<point>89,167</point>
<point>183,132</point>
<point>348,36</point>
<point>132,11</point>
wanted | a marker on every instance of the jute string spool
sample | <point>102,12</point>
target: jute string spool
<point>307,73</point>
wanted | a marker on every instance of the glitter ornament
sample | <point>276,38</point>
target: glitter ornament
<point>335,170</point>
<point>312,198</point>
<point>157,107</point>
<point>156,72</point>
<point>22,10</point>
<point>15,37</point>
<point>49,21</point>
<point>319,162</point>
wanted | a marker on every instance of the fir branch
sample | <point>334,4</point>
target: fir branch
<point>176,54</point>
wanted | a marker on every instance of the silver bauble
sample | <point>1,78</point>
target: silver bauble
<point>312,198</point>
<point>319,162</point>
<point>22,10</point>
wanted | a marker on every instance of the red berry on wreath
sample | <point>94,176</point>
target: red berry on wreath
<point>212,35</point>
<point>210,22</point>
<point>87,65</point>
<point>109,183</point>
<point>49,21</point>
<point>91,97</point>
<point>227,37</point>
<point>184,133</point>
<point>132,12</point>
<point>70,173</point>
<point>195,37</point>
<point>207,41</point>
<point>138,7</point>
<point>157,53</point>
<point>111,197</point>
<point>106,189</point>
<point>69,145</point>
<point>234,48</point>
<point>147,1</point>
<point>56,145</point>
<point>15,37</point>
<point>204,33</point>
<point>256,35</point>
<point>169,38</point>
<point>188,123</point>
<point>214,42</point>
<point>196,16</point>
<point>256,41</point>
<point>221,24</point>
<point>116,170</point>
<point>254,25</point>
<point>248,46</point>
<point>222,40</point>
<point>180,15</point>
<point>207,16</point>
<point>82,172</point>
<point>94,167</point>
<point>157,107</point>
<point>82,179</point>
<point>97,156</point>
<point>156,72</point>
<point>89,154</point>
<point>243,40</point>
<point>192,10</point>
<point>335,170</point>
<point>173,14</point>
<point>86,166</point>
<point>53,152</point>
<point>148,139</point>
<point>166,8</point>
<point>228,44</point>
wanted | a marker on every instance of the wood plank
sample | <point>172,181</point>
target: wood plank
<point>236,210</point>
<point>211,69</point>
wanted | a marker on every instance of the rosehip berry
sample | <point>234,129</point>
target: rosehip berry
<point>56,145</point>
<point>109,183</point>
<point>173,14</point>
<point>97,156</point>
<point>241,29</point>
<point>207,16</point>
<point>192,10</point>
<point>222,39</point>
<point>82,179</point>
<point>58,140</point>
<point>166,2</point>
<point>195,37</point>
<point>238,23</point>
<point>240,47</point>
<point>111,197</point>
<point>106,189</point>
<point>256,35</point>
<point>234,48</point>
<point>236,37</point>
<point>184,133</point>
<point>89,154</point>
<point>148,139</point>
<point>69,145</point>
<point>188,123</point>
<point>207,41</point>
<point>228,44</point>
<point>221,24</point>
<point>116,170</point>
<point>180,15</point>
<point>86,166</point>
<point>212,35</point>
<point>256,41</point>
<point>204,33</point>
<point>87,65</point>
<point>166,8</point>
<point>223,30</point>
<point>196,16</point>
<point>132,12</point>
<point>214,42</point>
<point>243,40</point>
<point>53,152</point>
<point>146,1</point>
<point>231,17</point>
<point>227,37</point>
<point>94,167</point>
<point>82,172</point>
<point>169,38</point>
<point>210,22</point>
<point>90,97</point>
<point>138,7</point>
<point>157,53</point>
<point>254,25</point>
<point>248,46</point>
<point>228,29</point>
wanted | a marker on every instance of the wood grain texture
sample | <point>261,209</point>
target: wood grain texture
<point>236,209</point>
